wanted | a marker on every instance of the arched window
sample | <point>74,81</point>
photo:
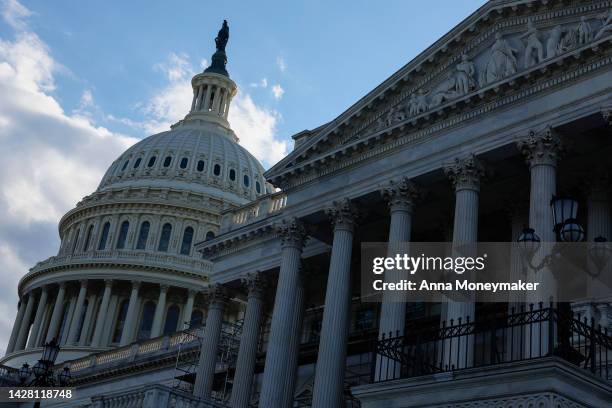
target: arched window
<point>151,161</point>
<point>143,235</point>
<point>167,161</point>
<point>137,162</point>
<point>184,162</point>
<point>148,313</point>
<point>76,240</point>
<point>104,236</point>
<point>197,318</point>
<point>88,238</point>
<point>121,315</point>
<point>210,235</point>
<point>232,174</point>
<point>200,166</point>
<point>172,317</point>
<point>164,240</point>
<point>125,165</point>
<point>187,240</point>
<point>257,187</point>
<point>246,180</point>
<point>123,231</point>
<point>217,170</point>
<point>82,320</point>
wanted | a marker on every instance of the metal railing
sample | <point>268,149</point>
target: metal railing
<point>525,333</point>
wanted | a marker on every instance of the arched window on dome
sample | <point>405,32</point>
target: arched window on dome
<point>197,318</point>
<point>187,241</point>
<point>151,161</point>
<point>104,236</point>
<point>217,170</point>
<point>125,165</point>
<point>167,161</point>
<point>184,162</point>
<point>200,166</point>
<point>146,323</point>
<point>210,235</point>
<point>246,180</point>
<point>232,174</point>
<point>88,238</point>
<point>137,162</point>
<point>143,235</point>
<point>172,318</point>
<point>164,240</point>
<point>123,231</point>
<point>120,321</point>
<point>258,187</point>
<point>76,240</point>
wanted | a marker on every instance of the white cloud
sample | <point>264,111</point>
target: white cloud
<point>278,92</point>
<point>263,83</point>
<point>51,158</point>
<point>281,64</point>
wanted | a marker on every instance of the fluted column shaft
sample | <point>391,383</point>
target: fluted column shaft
<point>99,329</point>
<point>88,319</point>
<point>279,344</point>
<point>25,323</point>
<point>210,343</point>
<point>56,316</point>
<point>73,334</point>
<point>247,352</point>
<point>331,360</point>
<point>156,328</point>
<point>38,317</point>
<point>294,353</point>
<point>15,332</point>
<point>130,318</point>
<point>188,310</point>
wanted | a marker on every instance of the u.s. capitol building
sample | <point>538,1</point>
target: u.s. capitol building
<point>192,277</point>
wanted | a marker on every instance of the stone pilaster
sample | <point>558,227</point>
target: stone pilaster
<point>247,353</point>
<point>293,237</point>
<point>99,329</point>
<point>57,313</point>
<point>331,360</point>
<point>73,334</point>
<point>156,327</point>
<point>38,317</point>
<point>217,300</point>
<point>127,335</point>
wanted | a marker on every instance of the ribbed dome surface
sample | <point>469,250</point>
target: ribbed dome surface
<point>202,158</point>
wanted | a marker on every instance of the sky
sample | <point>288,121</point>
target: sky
<point>82,81</point>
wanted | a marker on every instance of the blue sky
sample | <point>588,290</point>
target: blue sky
<point>80,81</point>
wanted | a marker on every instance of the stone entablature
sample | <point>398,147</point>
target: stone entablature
<point>454,89</point>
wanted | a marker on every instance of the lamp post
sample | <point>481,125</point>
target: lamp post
<point>43,370</point>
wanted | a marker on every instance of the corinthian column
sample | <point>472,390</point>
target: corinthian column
<point>25,323</point>
<point>331,361</point>
<point>400,197</point>
<point>130,316</point>
<point>293,237</point>
<point>38,318</point>
<point>73,334</point>
<point>188,310</point>
<point>56,316</point>
<point>294,352</point>
<point>99,329</point>
<point>156,327</point>
<point>245,365</point>
<point>15,332</point>
<point>217,298</point>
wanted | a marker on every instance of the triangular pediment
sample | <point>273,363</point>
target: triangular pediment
<point>503,46</point>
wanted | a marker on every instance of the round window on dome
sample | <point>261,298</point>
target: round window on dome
<point>167,161</point>
<point>217,170</point>
<point>258,187</point>
<point>200,166</point>
<point>184,162</point>
<point>232,174</point>
<point>137,162</point>
<point>246,180</point>
<point>151,161</point>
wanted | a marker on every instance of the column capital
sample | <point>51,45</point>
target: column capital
<point>343,214</point>
<point>62,285</point>
<point>83,283</point>
<point>136,284</point>
<point>465,173</point>
<point>108,283</point>
<point>192,292</point>
<point>216,295</point>
<point>607,116</point>
<point>164,288</point>
<point>541,147</point>
<point>255,282</point>
<point>401,194</point>
<point>292,233</point>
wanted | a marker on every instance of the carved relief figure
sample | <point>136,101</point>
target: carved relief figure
<point>413,107</point>
<point>502,61</point>
<point>421,101</point>
<point>534,51</point>
<point>444,91</point>
<point>553,43</point>
<point>465,75</point>
<point>584,31</point>
<point>606,28</point>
